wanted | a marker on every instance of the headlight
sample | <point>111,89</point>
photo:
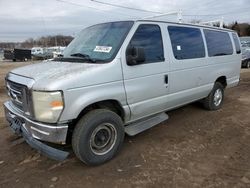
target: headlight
<point>48,106</point>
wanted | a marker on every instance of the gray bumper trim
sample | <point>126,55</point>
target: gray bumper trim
<point>44,149</point>
<point>32,132</point>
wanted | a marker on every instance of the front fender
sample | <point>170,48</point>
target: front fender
<point>79,98</point>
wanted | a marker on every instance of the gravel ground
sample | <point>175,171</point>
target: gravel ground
<point>194,148</point>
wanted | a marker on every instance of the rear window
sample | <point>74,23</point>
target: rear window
<point>218,43</point>
<point>187,43</point>
<point>236,43</point>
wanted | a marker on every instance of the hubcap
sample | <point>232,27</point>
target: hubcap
<point>217,97</point>
<point>103,139</point>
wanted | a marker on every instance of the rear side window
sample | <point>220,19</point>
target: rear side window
<point>236,43</point>
<point>187,43</point>
<point>218,43</point>
<point>149,37</point>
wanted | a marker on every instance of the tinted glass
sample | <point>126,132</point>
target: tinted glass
<point>149,37</point>
<point>218,43</point>
<point>187,43</point>
<point>236,43</point>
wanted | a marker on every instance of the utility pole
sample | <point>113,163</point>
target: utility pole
<point>221,22</point>
<point>55,40</point>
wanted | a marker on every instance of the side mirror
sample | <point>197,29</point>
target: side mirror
<point>135,55</point>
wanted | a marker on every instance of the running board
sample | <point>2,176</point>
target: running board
<point>142,125</point>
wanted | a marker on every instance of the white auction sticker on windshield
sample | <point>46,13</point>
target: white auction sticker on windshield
<point>105,49</point>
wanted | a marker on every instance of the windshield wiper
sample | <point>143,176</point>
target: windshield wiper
<point>84,56</point>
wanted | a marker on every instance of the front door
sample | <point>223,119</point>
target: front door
<point>146,83</point>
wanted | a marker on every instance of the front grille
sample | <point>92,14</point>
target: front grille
<point>17,94</point>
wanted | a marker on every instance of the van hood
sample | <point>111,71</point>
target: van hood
<point>53,75</point>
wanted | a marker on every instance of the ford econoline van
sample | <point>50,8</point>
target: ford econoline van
<point>116,78</point>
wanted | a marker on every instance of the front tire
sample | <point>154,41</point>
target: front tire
<point>98,136</point>
<point>215,99</point>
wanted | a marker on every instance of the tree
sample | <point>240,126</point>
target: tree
<point>236,27</point>
<point>248,31</point>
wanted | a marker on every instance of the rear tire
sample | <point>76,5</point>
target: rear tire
<point>248,64</point>
<point>215,99</point>
<point>98,136</point>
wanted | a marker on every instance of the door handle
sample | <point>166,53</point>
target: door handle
<point>166,79</point>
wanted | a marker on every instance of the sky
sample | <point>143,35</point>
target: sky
<point>23,19</point>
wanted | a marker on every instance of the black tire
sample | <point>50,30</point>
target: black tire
<point>96,126</point>
<point>248,64</point>
<point>212,102</point>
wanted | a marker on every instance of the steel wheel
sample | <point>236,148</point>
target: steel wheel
<point>103,139</point>
<point>217,97</point>
<point>248,65</point>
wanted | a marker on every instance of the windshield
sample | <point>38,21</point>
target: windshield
<point>99,42</point>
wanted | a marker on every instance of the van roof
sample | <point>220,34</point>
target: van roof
<point>187,24</point>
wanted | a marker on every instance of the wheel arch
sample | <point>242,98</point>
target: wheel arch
<point>222,80</point>
<point>110,104</point>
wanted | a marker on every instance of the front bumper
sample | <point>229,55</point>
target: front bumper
<point>33,131</point>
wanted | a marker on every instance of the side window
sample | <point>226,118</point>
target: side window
<point>218,43</point>
<point>148,37</point>
<point>236,43</point>
<point>187,43</point>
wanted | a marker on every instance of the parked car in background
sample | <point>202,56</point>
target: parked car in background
<point>245,46</point>
<point>57,51</point>
<point>40,53</point>
<point>17,54</point>
<point>1,54</point>
<point>36,51</point>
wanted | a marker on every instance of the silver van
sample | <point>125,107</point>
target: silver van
<point>116,78</point>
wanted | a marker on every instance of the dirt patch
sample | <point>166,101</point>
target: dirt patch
<point>194,148</point>
<point>2,90</point>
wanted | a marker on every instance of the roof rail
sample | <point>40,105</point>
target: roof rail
<point>221,21</point>
<point>178,13</point>
<point>180,18</point>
